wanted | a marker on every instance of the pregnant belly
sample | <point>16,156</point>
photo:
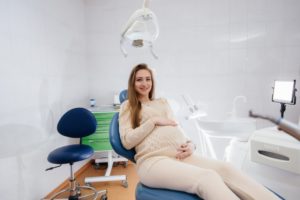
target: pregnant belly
<point>168,136</point>
<point>163,141</point>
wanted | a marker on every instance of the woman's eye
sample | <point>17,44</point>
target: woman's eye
<point>143,79</point>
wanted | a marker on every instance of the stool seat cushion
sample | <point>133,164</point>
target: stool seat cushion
<point>143,192</point>
<point>70,154</point>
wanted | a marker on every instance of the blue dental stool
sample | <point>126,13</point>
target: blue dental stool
<point>75,123</point>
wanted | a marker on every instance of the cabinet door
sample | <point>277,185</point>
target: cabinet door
<point>98,144</point>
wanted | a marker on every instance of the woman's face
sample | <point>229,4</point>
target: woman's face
<point>143,83</point>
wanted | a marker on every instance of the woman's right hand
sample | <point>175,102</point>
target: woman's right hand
<point>160,121</point>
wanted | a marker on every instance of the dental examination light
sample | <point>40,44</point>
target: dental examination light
<point>141,30</point>
<point>288,127</point>
<point>284,92</point>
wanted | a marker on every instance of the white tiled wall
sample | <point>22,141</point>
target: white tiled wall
<point>212,50</point>
<point>43,72</point>
<point>55,54</point>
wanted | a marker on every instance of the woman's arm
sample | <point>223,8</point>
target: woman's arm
<point>187,148</point>
<point>131,137</point>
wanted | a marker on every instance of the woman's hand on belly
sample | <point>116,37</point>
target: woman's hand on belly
<point>185,150</point>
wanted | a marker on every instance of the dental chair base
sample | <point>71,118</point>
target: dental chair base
<point>108,177</point>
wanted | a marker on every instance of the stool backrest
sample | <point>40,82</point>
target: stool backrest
<point>77,123</point>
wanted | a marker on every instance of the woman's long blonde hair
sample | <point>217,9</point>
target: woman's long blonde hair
<point>135,105</point>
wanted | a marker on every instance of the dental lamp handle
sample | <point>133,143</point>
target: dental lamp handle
<point>288,127</point>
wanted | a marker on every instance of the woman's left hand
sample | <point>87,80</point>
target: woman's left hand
<point>185,150</point>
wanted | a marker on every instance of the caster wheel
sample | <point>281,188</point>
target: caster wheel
<point>88,184</point>
<point>104,197</point>
<point>78,191</point>
<point>125,184</point>
<point>115,164</point>
<point>76,197</point>
<point>96,166</point>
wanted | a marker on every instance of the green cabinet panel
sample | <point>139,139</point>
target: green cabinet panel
<point>98,144</point>
<point>100,139</point>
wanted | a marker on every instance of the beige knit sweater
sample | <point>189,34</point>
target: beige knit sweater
<point>148,139</point>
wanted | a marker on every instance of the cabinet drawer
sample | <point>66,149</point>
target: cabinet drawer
<point>103,123</point>
<point>102,116</point>
<point>102,127</point>
<point>98,144</point>
<point>96,135</point>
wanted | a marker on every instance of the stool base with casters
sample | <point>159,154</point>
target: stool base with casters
<point>74,191</point>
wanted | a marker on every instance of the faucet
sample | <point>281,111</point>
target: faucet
<point>235,100</point>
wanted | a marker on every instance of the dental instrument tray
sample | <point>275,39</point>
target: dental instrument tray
<point>272,147</point>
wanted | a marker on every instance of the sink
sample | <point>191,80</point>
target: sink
<point>238,128</point>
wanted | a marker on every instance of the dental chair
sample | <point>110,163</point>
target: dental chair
<point>75,123</point>
<point>142,192</point>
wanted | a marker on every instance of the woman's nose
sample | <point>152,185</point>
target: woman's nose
<point>144,82</point>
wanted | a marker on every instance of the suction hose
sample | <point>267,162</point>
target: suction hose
<point>288,127</point>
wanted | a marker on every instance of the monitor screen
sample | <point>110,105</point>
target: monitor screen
<point>284,92</point>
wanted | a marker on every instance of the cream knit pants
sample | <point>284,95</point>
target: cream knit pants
<point>209,179</point>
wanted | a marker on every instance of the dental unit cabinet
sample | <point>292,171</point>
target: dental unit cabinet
<point>278,147</point>
<point>99,141</point>
<point>272,147</point>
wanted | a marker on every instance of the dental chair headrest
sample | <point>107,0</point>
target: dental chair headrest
<point>123,96</point>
